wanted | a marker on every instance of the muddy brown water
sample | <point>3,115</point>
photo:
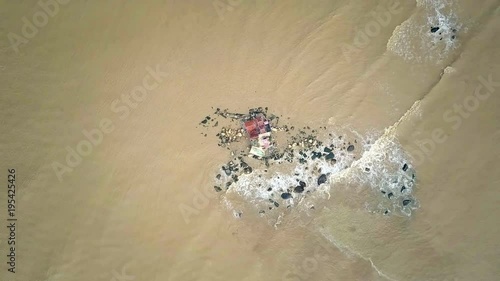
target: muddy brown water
<point>119,211</point>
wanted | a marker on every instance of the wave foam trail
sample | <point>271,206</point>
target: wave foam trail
<point>414,41</point>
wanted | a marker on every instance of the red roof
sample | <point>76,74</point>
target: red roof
<point>257,126</point>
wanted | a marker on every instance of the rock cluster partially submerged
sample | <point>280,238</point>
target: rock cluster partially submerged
<point>241,135</point>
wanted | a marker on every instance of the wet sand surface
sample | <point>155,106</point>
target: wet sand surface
<point>140,204</point>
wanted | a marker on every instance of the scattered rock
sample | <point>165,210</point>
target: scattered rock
<point>315,155</point>
<point>298,189</point>
<point>301,146</point>
<point>321,179</point>
<point>235,178</point>
<point>329,156</point>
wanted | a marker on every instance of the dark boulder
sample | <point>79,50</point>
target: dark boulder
<point>298,189</point>
<point>405,167</point>
<point>329,156</point>
<point>406,202</point>
<point>315,155</point>
<point>286,195</point>
<point>235,178</point>
<point>434,29</point>
<point>226,170</point>
<point>350,148</point>
<point>217,188</point>
<point>321,179</point>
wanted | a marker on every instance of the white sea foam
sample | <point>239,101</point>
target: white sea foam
<point>350,252</point>
<point>381,169</point>
<point>413,41</point>
<point>260,191</point>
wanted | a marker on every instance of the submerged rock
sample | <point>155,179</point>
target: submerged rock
<point>321,179</point>
<point>406,202</point>
<point>226,170</point>
<point>434,29</point>
<point>350,148</point>
<point>217,188</point>
<point>405,167</point>
<point>286,195</point>
<point>298,189</point>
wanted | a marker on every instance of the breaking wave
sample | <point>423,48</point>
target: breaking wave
<point>378,164</point>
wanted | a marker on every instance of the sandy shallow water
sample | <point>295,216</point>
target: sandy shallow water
<point>140,205</point>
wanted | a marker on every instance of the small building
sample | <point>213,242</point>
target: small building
<point>258,125</point>
<point>259,131</point>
